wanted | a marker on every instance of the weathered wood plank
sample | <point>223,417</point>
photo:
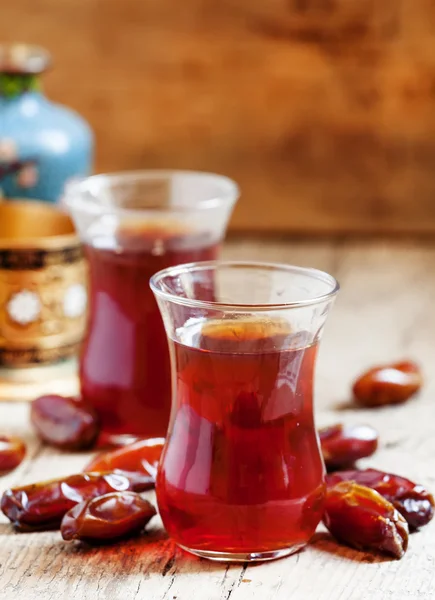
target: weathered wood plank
<point>384,312</point>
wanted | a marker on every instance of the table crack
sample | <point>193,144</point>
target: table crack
<point>236,583</point>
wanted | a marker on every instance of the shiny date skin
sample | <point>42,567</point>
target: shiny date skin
<point>66,423</point>
<point>413,501</point>
<point>342,445</point>
<point>141,457</point>
<point>41,506</point>
<point>12,453</point>
<point>107,518</point>
<point>388,384</point>
<point>360,517</point>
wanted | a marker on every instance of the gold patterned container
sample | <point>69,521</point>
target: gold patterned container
<point>43,292</point>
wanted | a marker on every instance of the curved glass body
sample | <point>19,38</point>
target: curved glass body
<point>241,476</point>
<point>132,225</point>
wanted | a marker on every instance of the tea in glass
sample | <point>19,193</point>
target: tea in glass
<point>133,225</point>
<point>241,476</point>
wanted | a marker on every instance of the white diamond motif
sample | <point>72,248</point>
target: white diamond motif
<point>24,307</point>
<point>75,301</point>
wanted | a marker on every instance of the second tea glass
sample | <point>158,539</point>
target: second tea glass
<point>241,476</point>
<point>132,225</point>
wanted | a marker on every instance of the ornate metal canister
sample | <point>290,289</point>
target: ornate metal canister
<point>42,144</point>
<point>43,291</point>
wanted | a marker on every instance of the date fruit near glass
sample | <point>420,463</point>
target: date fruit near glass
<point>241,476</point>
<point>133,225</point>
<point>367,509</point>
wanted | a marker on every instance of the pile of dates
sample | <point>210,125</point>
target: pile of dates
<point>102,504</point>
<point>364,508</point>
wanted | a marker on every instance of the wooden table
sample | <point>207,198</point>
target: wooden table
<point>385,312</point>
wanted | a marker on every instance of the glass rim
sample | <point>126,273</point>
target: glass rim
<point>209,304</point>
<point>74,189</point>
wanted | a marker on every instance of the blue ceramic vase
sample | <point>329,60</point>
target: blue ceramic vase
<point>42,144</point>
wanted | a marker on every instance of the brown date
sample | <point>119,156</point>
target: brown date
<point>342,445</point>
<point>67,423</point>
<point>389,384</point>
<point>360,517</point>
<point>413,501</point>
<point>12,452</point>
<point>142,457</point>
<point>108,518</point>
<point>41,506</point>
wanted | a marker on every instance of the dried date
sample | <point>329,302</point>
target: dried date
<point>360,517</point>
<point>141,457</point>
<point>389,384</point>
<point>413,501</point>
<point>12,453</point>
<point>342,445</point>
<point>66,423</point>
<point>41,506</point>
<point>107,518</point>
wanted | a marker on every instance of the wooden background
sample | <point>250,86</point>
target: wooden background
<point>323,110</point>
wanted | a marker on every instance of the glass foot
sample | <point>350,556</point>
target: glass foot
<point>244,556</point>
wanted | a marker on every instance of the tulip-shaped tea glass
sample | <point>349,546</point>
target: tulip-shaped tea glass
<point>241,476</point>
<point>132,225</point>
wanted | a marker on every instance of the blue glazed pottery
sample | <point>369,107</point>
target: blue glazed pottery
<point>42,144</point>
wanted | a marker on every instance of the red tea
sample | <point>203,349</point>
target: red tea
<point>242,470</point>
<point>124,369</point>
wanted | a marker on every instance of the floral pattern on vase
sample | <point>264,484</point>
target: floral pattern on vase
<point>24,307</point>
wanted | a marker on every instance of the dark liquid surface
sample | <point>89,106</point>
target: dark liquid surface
<point>242,471</point>
<point>124,368</point>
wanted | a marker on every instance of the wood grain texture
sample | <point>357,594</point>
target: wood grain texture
<point>385,312</point>
<point>323,110</point>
